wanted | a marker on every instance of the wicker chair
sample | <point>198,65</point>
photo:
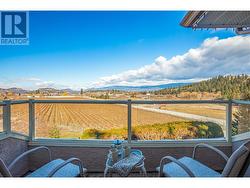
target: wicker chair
<point>190,167</point>
<point>53,168</point>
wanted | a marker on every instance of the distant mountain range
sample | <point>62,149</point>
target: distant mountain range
<point>70,91</point>
<point>141,88</point>
<point>40,90</point>
<point>230,86</point>
<point>14,90</point>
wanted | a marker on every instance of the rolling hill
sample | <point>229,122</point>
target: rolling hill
<point>229,86</point>
<point>140,88</point>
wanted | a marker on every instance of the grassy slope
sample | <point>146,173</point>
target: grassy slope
<point>173,130</point>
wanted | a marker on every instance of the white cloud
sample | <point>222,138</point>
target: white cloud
<point>213,57</point>
<point>43,84</point>
<point>32,79</point>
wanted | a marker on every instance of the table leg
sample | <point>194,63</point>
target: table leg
<point>106,172</point>
<point>144,172</point>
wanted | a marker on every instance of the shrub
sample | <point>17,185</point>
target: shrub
<point>173,130</point>
<point>54,132</point>
<point>91,134</point>
<point>119,133</point>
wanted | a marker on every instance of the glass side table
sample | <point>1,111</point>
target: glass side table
<point>109,170</point>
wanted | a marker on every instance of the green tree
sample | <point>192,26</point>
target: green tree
<point>230,87</point>
<point>81,92</point>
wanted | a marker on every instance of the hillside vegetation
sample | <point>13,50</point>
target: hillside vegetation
<point>228,86</point>
<point>173,130</point>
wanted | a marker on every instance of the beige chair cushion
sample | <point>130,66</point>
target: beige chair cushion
<point>236,162</point>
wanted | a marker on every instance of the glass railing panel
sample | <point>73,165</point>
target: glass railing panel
<point>240,119</point>
<point>178,121</point>
<point>20,118</point>
<point>1,118</point>
<point>81,121</point>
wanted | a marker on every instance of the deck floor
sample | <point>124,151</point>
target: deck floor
<point>134,174</point>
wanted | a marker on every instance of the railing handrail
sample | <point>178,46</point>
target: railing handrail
<point>3,102</point>
<point>132,101</point>
<point>179,101</point>
<point>95,101</point>
<point>83,101</point>
<point>107,101</point>
<point>246,102</point>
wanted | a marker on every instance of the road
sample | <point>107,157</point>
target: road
<point>183,115</point>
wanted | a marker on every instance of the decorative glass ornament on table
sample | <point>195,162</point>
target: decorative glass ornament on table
<point>113,153</point>
<point>126,150</point>
<point>117,142</point>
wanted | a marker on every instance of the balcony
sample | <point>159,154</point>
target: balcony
<point>25,127</point>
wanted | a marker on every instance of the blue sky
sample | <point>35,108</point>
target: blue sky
<point>84,49</point>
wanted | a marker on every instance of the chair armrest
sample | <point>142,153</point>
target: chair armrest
<point>4,169</point>
<point>212,148</point>
<point>136,150</point>
<point>166,160</point>
<point>29,152</point>
<point>65,163</point>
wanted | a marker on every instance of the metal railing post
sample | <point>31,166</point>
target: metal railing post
<point>7,116</point>
<point>31,119</point>
<point>129,121</point>
<point>229,122</point>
